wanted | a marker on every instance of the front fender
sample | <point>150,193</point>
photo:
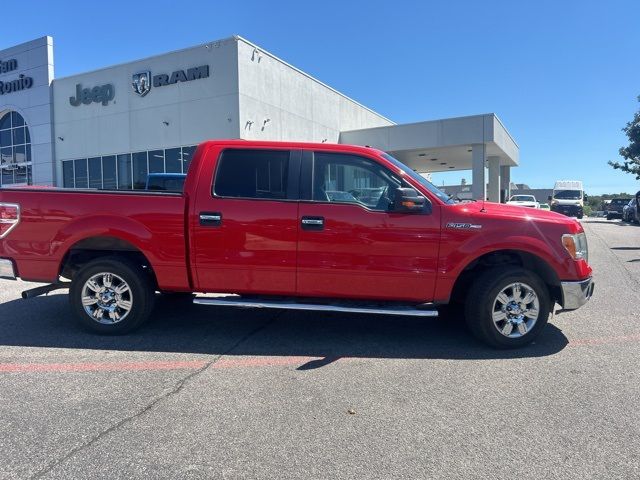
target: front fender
<point>460,248</point>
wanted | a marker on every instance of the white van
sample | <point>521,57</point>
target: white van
<point>568,198</point>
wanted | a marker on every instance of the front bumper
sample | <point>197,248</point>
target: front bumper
<point>568,210</point>
<point>576,294</point>
<point>7,270</point>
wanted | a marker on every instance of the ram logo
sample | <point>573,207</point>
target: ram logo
<point>141,83</point>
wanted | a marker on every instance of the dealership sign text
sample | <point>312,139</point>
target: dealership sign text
<point>21,83</point>
<point>100,94</point>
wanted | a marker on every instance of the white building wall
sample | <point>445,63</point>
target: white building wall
<point>185,113</point>
<point>35,60</point>
<point>279,102</point>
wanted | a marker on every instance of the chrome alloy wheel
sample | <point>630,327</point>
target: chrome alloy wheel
<point>107,298</point>
<point>515,310</point>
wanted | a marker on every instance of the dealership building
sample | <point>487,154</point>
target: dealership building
<point>110,128</point>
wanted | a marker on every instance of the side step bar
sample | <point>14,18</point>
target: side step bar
<point>430,311</point>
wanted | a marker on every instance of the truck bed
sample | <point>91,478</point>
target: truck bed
<point>53,221</point>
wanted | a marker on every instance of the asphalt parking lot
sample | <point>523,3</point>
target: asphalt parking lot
<point>203,392</point>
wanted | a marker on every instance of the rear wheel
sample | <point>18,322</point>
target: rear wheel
<point>111,296</point>
<point>507,307</point>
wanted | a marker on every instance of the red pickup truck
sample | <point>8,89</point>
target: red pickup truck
<point>297,226</point>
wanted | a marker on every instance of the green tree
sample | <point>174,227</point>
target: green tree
<point>631,153</point>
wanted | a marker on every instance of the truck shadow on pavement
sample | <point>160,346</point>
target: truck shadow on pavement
<point>196,329</point>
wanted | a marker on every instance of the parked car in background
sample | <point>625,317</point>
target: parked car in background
<point>630,211</point>
<point>545,206</point>
<point>166,182</point>
<point>524,201</point>
<point>615,206</point>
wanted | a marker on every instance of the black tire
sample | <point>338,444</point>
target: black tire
<point>609,217</point>
<point>452,312</point>
<point>140,292</point>
<point>480,301</point>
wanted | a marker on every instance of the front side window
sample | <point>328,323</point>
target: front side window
<point>252,174</point>
<point>340,178</point>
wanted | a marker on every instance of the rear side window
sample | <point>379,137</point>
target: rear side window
<point>252,174</point>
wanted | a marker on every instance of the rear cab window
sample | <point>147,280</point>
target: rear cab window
<point>253,174</point>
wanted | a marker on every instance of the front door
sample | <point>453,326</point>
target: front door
<point>245,226</point>
<point>351,245</point>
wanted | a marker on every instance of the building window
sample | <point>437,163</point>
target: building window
<point>140,170</point>
<point>173,160</point>
<point>67,175</point>
<point>187,155</point>
<point>109,175</point>
<point>125,171</point>
<point>80,171</point>
<point>15,150</point>
<point>95,172</point>
<point>156,161</point>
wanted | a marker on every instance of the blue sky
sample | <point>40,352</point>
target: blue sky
<point>563,76</point>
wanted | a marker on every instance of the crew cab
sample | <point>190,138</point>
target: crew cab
<point>297,226</point>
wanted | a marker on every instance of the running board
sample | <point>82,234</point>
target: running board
<point>429,311</point>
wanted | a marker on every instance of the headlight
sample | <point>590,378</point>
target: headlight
<point>576,245</point>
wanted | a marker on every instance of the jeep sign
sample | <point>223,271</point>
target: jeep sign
<point>101,94</point>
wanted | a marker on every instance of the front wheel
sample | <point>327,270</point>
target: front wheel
<point>111,296</point>
<point>507,307</point>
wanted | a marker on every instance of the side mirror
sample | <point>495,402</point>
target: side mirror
<point>585,197</point>
<point>407,200</point>
<point>549,197</point>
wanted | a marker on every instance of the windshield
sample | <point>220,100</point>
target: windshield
<point>523,198</point>
<point>420,179</point>
<point>567,194</point>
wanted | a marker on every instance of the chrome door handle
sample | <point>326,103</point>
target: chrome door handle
<point>210,219</point>
<point>312,223</point>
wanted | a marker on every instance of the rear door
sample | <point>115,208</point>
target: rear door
<point>245,232</point>
<point>351,245</point>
